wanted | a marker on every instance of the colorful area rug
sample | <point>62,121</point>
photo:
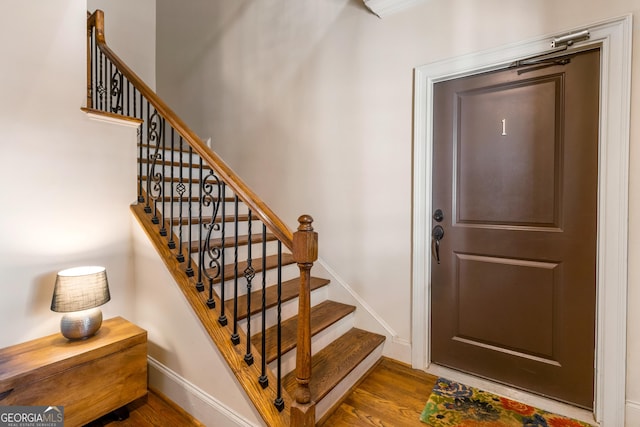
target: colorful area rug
<point>455,405</point>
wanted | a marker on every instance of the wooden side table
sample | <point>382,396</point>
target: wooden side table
<point>90,378</point>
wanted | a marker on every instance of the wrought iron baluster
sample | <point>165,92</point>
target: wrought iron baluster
<point>100,88</point>
<point>249,274</point>
<point>172,244</point>
<point>96,78</point>
<point>181,190</point>
<point>90,53</point>
<point>199,284</point>
<point>279,401</point>
<point>155,180</point>
<point>163,229</point>
<point>147,207</point>
<point>212,189</point>
<point>128,109</point>
<point>235,338</point>
<point>189,270</point>
<point>264,380</point>
<point>140,147</point>
<point>222,319</point>
<point>116,90</point>
<point>107,70</point>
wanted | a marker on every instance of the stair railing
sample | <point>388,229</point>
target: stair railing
<point>166,147</point>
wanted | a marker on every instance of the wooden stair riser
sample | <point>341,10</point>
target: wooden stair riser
<point>335,396</point>
<point>288,309</point>
<point>358,352</point>
<point>319,341</point>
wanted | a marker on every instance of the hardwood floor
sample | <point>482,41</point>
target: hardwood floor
<point>154,410</point>
<point>392,395</point>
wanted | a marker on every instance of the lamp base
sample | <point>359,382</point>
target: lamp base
<point>80,325</point>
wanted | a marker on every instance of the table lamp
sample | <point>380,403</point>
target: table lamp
<point>78,293</point>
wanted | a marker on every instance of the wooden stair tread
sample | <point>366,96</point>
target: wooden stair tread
<point>229,242</point>
<point>271,261</point>
<point>289,290</point>
<point>323,315</point>
<point>334,362</point>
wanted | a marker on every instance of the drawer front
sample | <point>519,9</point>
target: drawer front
<point>91,389</point>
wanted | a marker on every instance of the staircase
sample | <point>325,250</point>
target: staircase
<point>244,273</point>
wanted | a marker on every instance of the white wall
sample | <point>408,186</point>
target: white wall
<point>311,103</point>
<point>66,181</point>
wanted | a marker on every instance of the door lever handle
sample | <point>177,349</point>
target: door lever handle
<point>437,233</point>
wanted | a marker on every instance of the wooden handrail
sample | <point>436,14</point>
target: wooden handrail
<point>244,193</point>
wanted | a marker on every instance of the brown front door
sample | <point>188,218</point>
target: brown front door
<point>515,167</point>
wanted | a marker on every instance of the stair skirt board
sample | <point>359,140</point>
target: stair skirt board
<point>351,380</point>
<point>201,405</point>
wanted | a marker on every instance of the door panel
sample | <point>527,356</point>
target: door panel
<point>527,152</point>
<point>515,173</point>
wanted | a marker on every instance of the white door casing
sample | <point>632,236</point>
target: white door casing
<point>614,38</point>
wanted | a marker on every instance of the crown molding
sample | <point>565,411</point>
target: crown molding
<point>384,8</point>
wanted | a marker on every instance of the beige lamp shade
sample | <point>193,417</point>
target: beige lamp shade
<point>80,288</point>
<point>78,293</point>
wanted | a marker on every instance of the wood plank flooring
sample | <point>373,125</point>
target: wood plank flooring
<point>392,395</point>
<point>154,410</point>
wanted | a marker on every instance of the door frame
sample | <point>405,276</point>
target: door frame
<point>614,38</point>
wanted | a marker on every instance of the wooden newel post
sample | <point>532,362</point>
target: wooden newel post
<point>305,252</point>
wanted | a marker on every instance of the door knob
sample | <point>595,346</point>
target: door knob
<point>438,216</point>
<point>437,234</point>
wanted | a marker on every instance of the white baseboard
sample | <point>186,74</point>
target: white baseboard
<point>632,414</point>
<point>202,406</point>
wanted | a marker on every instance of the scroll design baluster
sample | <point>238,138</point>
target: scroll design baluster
<point>155,178</point>
<point>116,92</point>
<point>212,189</point>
